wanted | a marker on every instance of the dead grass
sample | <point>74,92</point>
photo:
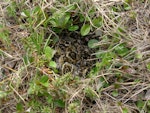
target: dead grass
<point>135,79</point>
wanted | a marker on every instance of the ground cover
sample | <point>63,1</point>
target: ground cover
<point>74,56</point>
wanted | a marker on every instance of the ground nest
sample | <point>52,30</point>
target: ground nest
<point>73,54</point>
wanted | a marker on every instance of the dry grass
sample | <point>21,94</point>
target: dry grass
<point>15,74</point>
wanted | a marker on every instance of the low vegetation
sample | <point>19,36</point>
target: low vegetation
<point>74,56</point>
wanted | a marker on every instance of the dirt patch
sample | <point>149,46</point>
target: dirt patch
<point>73,54</point>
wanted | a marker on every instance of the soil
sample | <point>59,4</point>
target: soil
<point>73,54</point>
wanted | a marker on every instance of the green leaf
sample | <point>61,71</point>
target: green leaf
<point>46,84</point>
<point>19,107</point>
<point>140,104</point>
<point>4,35</point>
<point>73,28</point>
<point>105,62</point>
<point>34,88</point>
<point>49,52</point>
<point>97,22</point>
<point>148,66</point>
<point>139,55</point>
<point>66,18</point>
<point>125,110</point>
<point>115,93</point>
<point>36,10</point>
<point>52,64</point>
<point>99,53</point>
<point>121,50</point>
<point>85,29</point>
<point>55,39</point>
<point>70,7</point>
<point>127,7</point>
<point>44,81</point>
<point>94,71</point>
<point>49,99</point>
<point>59,19</point>
<point>81,18</point>
<point>63,20</point>
<point>92,42</point>
<point>104,83</point>
<point>53,22</point>
<point>74,107</point>
<point>59,103</point>
<point>28,59</point>
<point>11,9</point>
<point>89,92</point>
<point>121,30</point>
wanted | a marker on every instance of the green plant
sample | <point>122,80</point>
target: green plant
<point>107,59</point>
<point>121,50</point>
<point>148,66</point>
<point>85,29</point>
<point>49,53</point>
<point>115,93</point>
<point>92,43</point>
<point>125,110</point>
<point>122,7</point>
<point>74,107</point>
<point>11,9</point>
<point>33,18</point>
<point>89,92</point>
<point>39,87</point>
<point>64,19</point>
<point>35,83</point>
<point>19,108</point>
<point>4,35</point>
